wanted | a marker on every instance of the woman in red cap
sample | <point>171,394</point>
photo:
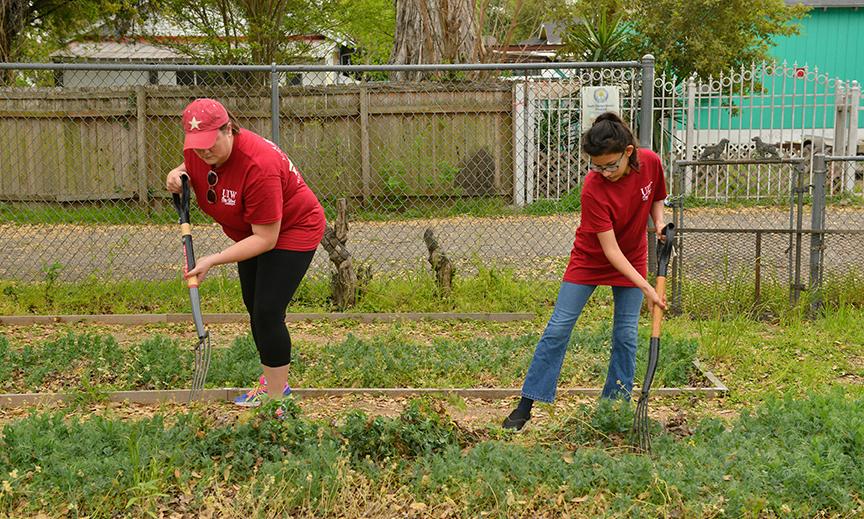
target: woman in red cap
<point>253,190</point>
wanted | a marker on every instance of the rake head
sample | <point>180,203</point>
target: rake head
<point>641,422</point>
<point>202,365</point>
<point>642,426</point>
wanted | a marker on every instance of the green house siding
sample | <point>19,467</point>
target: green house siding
<point>830,41</point>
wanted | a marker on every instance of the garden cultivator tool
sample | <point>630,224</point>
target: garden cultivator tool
<point>641,423</point>
<point>202,349</point>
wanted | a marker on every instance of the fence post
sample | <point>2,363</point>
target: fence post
<point>365,161</point>
<point>817,237</point>
<point>141,129</point>
<point>853,102</point>
<point>690,136</point>
<point>646,112</point>
<point>757,272</point>
<point>800,189</point>
<point>839,147</point>
<point>518,144</point>
<point>646,139</point>
<point>274,104</point>
<point>678,220</point>
<point>523,143</point>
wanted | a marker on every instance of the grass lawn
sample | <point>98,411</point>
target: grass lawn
<point>787,441</point>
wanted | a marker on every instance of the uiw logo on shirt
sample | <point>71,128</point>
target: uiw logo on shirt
<point>646,191</point>
<point>229,197</point>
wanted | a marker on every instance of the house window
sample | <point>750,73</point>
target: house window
<point>345,54</point>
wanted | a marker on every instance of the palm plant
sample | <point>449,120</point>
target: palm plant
<point>601,37</point>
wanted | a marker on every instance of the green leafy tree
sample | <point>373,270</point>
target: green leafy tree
<point>704,37</point>
<point>31,29</point>
<point>709,36</point>
<point>369,26</point>
<point>249,31</point>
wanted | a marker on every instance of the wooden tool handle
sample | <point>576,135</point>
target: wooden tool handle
<point>188,254</point>
<point>656,310</point>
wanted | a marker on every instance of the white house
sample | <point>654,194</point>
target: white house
<point>156,48</point>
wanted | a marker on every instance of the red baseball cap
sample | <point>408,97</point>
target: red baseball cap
<point>201,122</point>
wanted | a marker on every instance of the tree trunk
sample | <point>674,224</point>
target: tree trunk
<point>434,31</point>
<point>13,16</point>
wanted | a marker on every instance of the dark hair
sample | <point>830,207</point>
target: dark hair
<point>610,134</point>
<point>235,127</point>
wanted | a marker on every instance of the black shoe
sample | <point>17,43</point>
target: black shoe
<point>516,421</point>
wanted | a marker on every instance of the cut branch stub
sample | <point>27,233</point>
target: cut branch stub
<point>440,263</point>
<point>343,281</point>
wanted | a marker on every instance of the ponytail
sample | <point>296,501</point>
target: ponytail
<point>235,126</point>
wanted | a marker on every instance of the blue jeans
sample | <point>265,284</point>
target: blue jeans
<point>542,378</point>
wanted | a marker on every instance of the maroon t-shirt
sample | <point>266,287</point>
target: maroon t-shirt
<point>259,184</point>
<point>624,207</point>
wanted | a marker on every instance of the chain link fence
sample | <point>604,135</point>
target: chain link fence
<point>837,250</point>
<point>485,155</point>
<point>791,237</point>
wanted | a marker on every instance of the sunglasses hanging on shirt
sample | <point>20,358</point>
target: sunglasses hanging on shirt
<point>212,178</point>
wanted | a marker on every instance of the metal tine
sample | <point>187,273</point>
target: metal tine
<point>199,365</point>
<point>207,362</point>
<point>192,391</point>
<point>199,352</point>
<point>196,373</point>
<point>196,376</point>
<point>646,428</point>
<point>641,423</point>
<point>202,365</point>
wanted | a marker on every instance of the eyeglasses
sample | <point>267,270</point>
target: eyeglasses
<point>607,167</point>
<point>212,178</point>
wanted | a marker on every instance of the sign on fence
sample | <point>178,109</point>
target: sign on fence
<point>597,100</point>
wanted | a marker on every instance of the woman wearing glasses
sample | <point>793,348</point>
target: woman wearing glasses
<point>253,190</point>
<point>623,186</point>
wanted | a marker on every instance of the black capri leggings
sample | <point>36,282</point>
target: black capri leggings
<point>268,283</point>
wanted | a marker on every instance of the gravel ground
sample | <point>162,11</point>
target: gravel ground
<point>533,245</point>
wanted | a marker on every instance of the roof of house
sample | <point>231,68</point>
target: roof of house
<point>149,49</point>
<point>549,33</point>
<point>152,39</point>
<point>120,50</point>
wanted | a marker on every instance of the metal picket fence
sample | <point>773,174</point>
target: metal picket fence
<point>766,110</point>
<point>485,155</point>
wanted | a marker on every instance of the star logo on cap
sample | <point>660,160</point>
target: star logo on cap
<point>193,123</point>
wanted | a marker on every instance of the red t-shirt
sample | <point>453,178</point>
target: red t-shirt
<point>622,206</point>
<point>259,184</point>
